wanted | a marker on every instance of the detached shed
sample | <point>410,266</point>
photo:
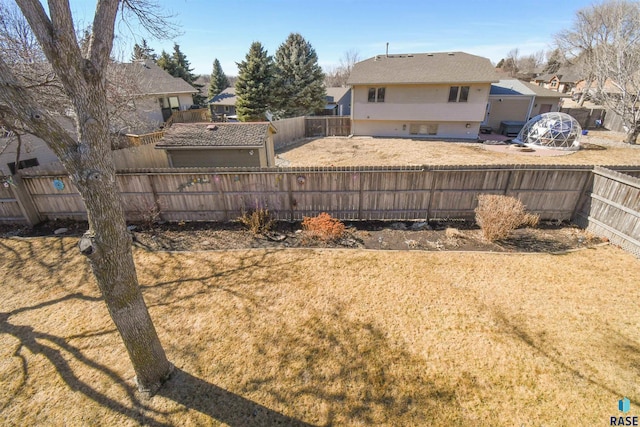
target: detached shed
<point>219,144</point>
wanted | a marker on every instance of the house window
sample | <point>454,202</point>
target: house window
<point>376,94</point>
<point>226,108</point>
<point>458,93</point>
<point>554,83</point>
<point>28,163</point>
<point>423,129</point>
<point>171,103</point>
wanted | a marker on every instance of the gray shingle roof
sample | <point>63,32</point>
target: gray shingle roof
<point>424,68</point>
<point>215,135</point>
<point>226,97</point>
<point>149,79</point>
<point>335,94</point>
<point>518,87</point>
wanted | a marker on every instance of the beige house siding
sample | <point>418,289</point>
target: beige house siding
<point>510,108</point>
<point>148,106</point>
<point>419,104</point>
<point>540,101</point>
<point>389,128</point>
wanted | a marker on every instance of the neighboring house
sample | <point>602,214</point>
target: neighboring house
<point>219,144</point>
<point>562,81</point>
<point>224,103</point>
<point>518,101</point>
<point>439,95</point>
<point>157,94</point>
<point>145,90</point>
<point>609,88</point>
<point>33,152</point>
<point>338,102</point>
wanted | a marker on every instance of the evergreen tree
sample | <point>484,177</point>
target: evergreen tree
<point>143,51</point>
<point>299,80</point>
<point>254,84</point>
<point>219,80</point>
<point>182,64</point>
<point>554,62</point>
<point>165,61</point>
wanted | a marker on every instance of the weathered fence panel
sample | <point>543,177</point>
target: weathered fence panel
<point>10,211</point>
<point>614,209</point>
<point>143,156</point>
<point>288,131</point>
<point>586,116</point>
<point>328,126</point>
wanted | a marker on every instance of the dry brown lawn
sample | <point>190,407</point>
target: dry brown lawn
<point>326,337</point>
<point>602,148</point>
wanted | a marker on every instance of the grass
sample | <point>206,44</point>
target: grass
<point>603,148</point>
<point>320,337</point>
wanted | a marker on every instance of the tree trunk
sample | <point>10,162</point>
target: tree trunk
<point>632,135</point>
<point>585,92</point>
<point>107,244</point>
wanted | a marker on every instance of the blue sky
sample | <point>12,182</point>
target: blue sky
<point>225,30</point>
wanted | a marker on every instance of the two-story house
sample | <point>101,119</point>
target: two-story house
<point>438,95</point>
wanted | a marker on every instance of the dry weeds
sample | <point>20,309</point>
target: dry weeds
<point>603,148</point>
<point>320,337</point>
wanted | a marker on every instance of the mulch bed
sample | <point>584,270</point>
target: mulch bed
<point>378,235</point>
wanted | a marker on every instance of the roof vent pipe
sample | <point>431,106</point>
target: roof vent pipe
<point>387,54</point>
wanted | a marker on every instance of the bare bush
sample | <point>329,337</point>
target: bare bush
<point>498,216</point>
<point>258,221</point>
<point>323,227</point>
<point>148,213</point>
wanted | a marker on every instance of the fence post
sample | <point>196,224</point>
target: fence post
<point>25,201</point>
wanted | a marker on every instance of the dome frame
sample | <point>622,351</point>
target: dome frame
<point>555,130</point>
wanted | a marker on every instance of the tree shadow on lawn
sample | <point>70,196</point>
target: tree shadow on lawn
<point>325,368</point>
<point>58,351</point>
<point>538,346</point>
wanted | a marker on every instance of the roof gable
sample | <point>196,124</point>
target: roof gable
<point>203,135</point>
<point>423,68</point>
<point>149,79</point>
<point>226,97</point>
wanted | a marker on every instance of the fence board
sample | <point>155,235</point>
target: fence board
<point>355,193</point>
<point>614,211</point>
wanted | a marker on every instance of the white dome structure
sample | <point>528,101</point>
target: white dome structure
<point>559,131</point>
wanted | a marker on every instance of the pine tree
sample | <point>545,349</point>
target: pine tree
<point>166,62</point>
<point>299,80</point>
<point>182,69</point>
<point>143,51</point>
<point>254,84</point>
<point>219,80</point>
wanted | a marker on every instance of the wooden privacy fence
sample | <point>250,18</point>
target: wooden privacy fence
<point>328,126</point>
<point>348,193</point>
<point>613,210</point>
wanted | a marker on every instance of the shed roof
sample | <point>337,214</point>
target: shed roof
<point>423,68</point>
<point>202,135</point>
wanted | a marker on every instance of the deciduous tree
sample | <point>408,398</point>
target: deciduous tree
<point>254,85</point>
<point>299,81</point>
<point>605,41</point>
<point>87,158</point>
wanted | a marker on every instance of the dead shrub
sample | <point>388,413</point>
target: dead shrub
<point>498,216</point>
<point>146,213</point>
<point>323,227</point>
<point>258,221</point>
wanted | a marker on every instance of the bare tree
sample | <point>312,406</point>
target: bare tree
<point>338,76</point>
<point>87,158</point>
<point>605,41</point>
